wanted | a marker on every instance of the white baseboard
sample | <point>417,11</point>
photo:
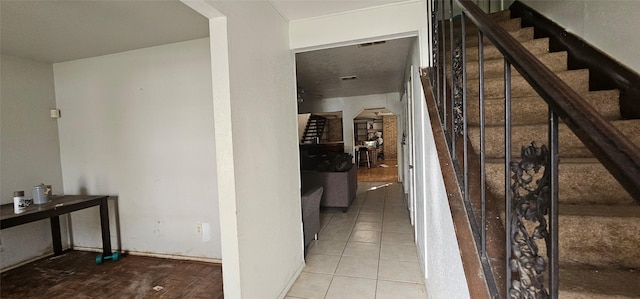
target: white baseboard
<point>292,281</point>
<point>99,250</point>
<point>158,255</point>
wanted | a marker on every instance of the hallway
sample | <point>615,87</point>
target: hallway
<point>368,252</point>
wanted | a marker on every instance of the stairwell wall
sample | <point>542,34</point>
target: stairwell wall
<point>610,26</point>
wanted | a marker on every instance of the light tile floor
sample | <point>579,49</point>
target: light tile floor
<point>367,252</point>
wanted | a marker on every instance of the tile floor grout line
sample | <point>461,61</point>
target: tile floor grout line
<point>352,227</point>
<point>369,201</point>
<point>375,294</point>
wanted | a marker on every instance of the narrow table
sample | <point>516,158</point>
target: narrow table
<point>57,206</point>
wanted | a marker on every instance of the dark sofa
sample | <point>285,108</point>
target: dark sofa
<point>339,186</point>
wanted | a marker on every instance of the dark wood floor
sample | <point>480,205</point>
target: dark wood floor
<point>76,275</point>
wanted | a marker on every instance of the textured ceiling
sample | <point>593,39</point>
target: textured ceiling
<point>379,69</point>
<point>55,31</point>
<point>59,30</point>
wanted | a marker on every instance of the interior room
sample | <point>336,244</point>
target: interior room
<point>379,128</point>
<point>365,82</point>
<point>132,89</point>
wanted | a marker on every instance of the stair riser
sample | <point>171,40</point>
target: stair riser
<point>570,145</point>
<point>594,240</point>
<point>471,31</point>
<point>573,294</point>
<point>600,241</point>
<point>602,187</point>
<point>521,35</point>
<point>556,62</point>
<point>534,110</point>
<point>536,47</point>
<point>494,88</point>
<point>522,112</point>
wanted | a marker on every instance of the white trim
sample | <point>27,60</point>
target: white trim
<point>356,10</point>
<point>282,14</point>
<point>203,8</point>
<point>293,279</point>
<point>413,33</point>
<point>156,255</point>
<point>221,91</point>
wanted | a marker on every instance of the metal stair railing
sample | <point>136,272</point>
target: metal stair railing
<point>524,275</point>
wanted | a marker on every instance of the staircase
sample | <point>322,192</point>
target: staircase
<point>599,222</point>
<point>314,129</point>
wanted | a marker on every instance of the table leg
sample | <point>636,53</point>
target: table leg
<point>104,224</point>
<point>55,235</point>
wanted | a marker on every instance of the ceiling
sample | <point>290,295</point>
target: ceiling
<point>374,113</point>
<point>378,67</point>
<point>61,30</point>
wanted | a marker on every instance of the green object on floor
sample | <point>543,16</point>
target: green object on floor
<point>100,258</point>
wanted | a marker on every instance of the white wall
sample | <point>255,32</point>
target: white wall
<point>351,107</point>
<point>29,151</point>
<point>610,26</point>
<point>435,235</point>
<point>139,125</point>
<point>255,86</point>
<point>350,28</point>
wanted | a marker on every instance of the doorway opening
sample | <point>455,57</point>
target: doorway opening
<point>376,145</point>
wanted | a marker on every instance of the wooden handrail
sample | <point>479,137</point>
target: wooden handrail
<point>615,152</point>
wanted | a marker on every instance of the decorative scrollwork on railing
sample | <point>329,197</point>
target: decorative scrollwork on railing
<point>531,202</point>
<point>457,88</point>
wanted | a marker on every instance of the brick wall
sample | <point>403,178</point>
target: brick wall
<point>335,129</point>
<point>390,137</point>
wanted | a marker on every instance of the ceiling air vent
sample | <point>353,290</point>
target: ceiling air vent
<point>347,78</point>
<point>372,44</point>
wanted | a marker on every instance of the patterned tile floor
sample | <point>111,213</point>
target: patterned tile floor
<point>367,252</point>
